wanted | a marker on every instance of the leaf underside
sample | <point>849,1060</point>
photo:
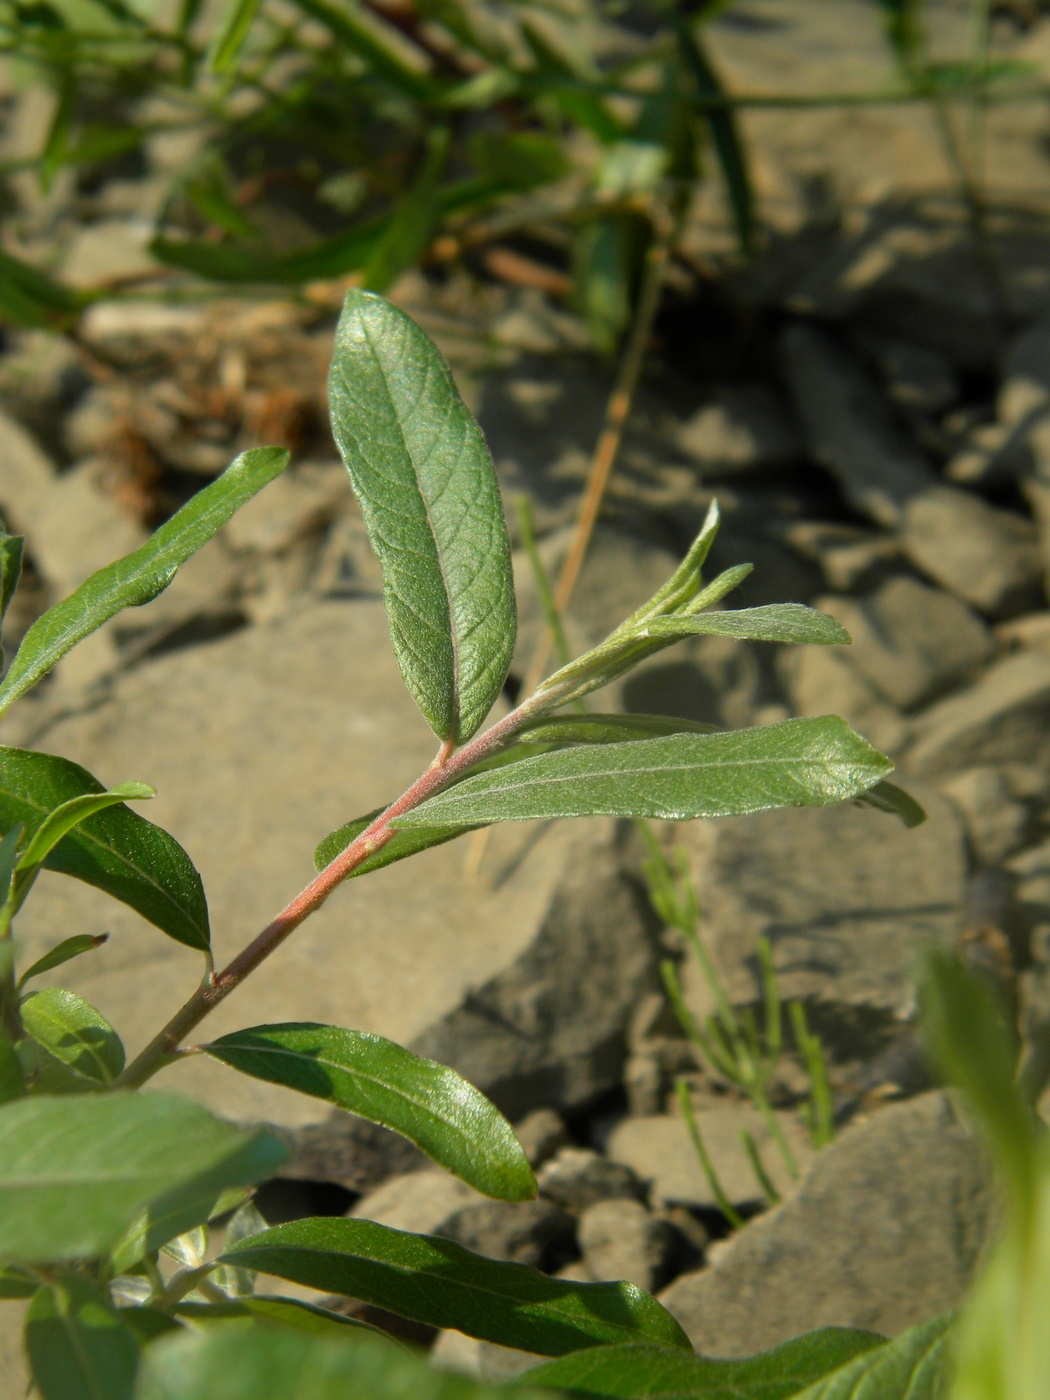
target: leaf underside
<point>796,763</point>
<point>439,1283</point>
<point>75,1171</point>
<point>422,473</point>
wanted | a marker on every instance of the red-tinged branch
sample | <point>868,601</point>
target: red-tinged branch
<point>446,768</point>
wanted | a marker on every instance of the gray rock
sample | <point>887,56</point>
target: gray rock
<point>744,428</point>
<point>1032,891</point>
<point>621,1240</point>
<point>849,557</point>
<point>1037,493</point>
<point>551,1029</point>
<point>1031,631</point>
<point>28,477</point>
<point>660,1151</point>
<point>885,1231</point>
<point>292,508</point>
<point>848,428</point>
<point>350,1151</point>
<point>989,557</point>
<point>537,1233</point>
<point>997,823</point>
<point>821,681</point>
<point>1024,391</point>
<point>261,743</point>
<point>541,1133</point>
<point>421,1202</point>
<point>843,935</point>
<point>917,377</point>
<point>1002,718</point>
<point>577,1178</point>
<point>466,1356</point>
<point>911,642</point>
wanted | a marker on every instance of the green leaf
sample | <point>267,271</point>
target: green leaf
<point>231,34</point>
<point>971,1036</point>
<point>17,1283</point>
<point>607,729</point>
<point>283,1312</point>
<point>636,1372</point>
<point>888,797</point>
<point>28,297</point>
<point>401,844</point>
<point>58,823</point>
<point>62,953</point>
<point>76,1035</point>
<point>434,1107</point>
<point>141,575</point>
<point>10,573</point>
<point>779,622</point>
<point>439,1283</point>
<point>115,850</point>
<point>420,468</point>
<point>409,231</point>
<point>12,1080</point>
<point>729,147</point>
<point>796,763</point>
<point>78,1344</point>
<point>382,59</point>
<point>9,859</point>
<point>227,1363</point>
<point>914,1366</point>
<point>74,1172</point>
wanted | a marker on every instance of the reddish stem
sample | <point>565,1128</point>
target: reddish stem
<point>447,766</point>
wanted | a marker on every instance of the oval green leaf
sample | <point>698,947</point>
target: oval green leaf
<point>439,1283</point>
<point>633,1371</point>
<point>422,473</point>
<point>72,1032</point>
<point>433,1106</point>
<point>78,1344</point>
<point>74,1172</point>
<point>141,575</point>
<point>796,763</point>
<point>115,850</point>
<point>234,1363</point>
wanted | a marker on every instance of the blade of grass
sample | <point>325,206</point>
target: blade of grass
<point>735,1219</point>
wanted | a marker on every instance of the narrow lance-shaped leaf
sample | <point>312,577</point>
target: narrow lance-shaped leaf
<point>74,1172</point>
<point>9,859</point>
<point>78,1343</point>
<point>62,953</point>
<point>632,641</point>
<point>231,34</point>
<point>141,575</point>
<point>791,623</point>
<point>285,1312</point>
<point>58,823</point>
<point>75,1038</point>
<point>658,1373</point>
<point>115,850</point>
<point>428,492</point>
<point>10,572</point>
<point>368,1075</point>
<point>439,1283</point>
<point>12,1079</point>
<point>796,763</point>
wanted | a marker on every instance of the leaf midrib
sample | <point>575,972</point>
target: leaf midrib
<point>554,1305</point>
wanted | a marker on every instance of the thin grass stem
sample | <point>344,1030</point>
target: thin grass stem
<point>735,1219</point>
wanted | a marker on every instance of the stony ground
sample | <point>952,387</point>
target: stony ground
<point>870,403</point>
